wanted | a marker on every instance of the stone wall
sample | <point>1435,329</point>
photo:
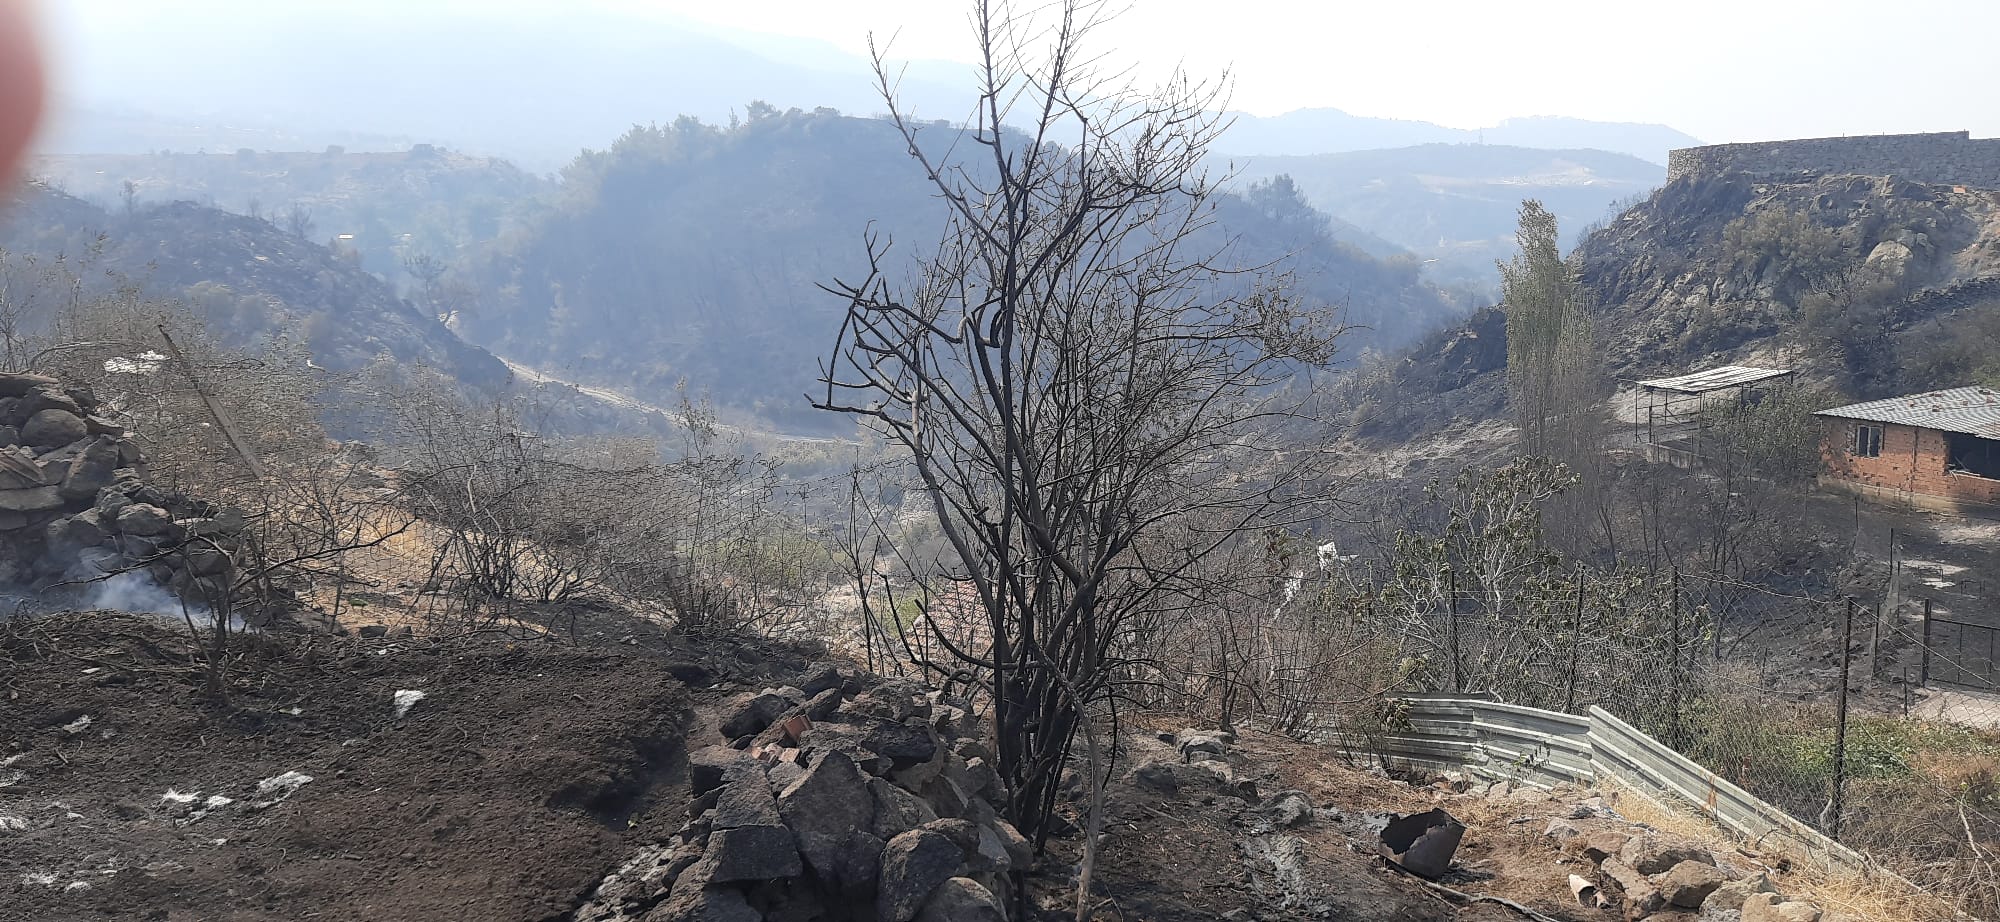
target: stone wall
<point>1939,158</point>
<point>76,508</point>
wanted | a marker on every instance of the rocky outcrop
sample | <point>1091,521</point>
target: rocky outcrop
<point>852,802</point>
<point>75,504</point>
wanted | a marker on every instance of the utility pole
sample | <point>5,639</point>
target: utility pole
<point>1840,729</point>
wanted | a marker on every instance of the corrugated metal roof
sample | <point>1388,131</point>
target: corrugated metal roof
<point>1970,410</point>
<point>1714,379</point>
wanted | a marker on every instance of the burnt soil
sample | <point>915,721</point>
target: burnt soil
<point>530,769</point>
<point>526,771</point>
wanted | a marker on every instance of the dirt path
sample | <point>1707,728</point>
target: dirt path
<point>624,401</point>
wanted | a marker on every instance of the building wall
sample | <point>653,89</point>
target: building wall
<point>1911,467</point>
<point>1941,158</point>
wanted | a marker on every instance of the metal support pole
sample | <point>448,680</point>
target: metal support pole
<point>1451,632</point>
<point>1840,729</point>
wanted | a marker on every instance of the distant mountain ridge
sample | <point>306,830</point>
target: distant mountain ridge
<point>1455,204</point>
<point>1325,130</point>
<point>535,83</point>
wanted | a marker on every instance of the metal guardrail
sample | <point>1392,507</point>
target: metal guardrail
<point>1492,739</point>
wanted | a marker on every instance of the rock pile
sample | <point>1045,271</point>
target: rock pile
<point>837,800</point>
<point>1645,872</point>
<point>74,501</point>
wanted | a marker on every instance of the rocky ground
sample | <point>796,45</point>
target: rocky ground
<point>651,778</point>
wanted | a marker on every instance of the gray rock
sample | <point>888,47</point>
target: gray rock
<point>747,853</point>
<point>9,436</point>
<point>897,811</point>
<point>708,766</point>
<point>860,866</point>
<point>704,904</point>
<point>1017,845</point>
<point>745,799</point>
<point>914,864</point>
<point>947,798</point>
<point>144,519</point>
<point>962,900</point>
<point>18,384</point>
<point>1288,808</point>
<point>753,713</point>
<point>820,678</point>
<point>1689,883</point>
<point>784,774</point>
<point>1653,854</point>
<point>42,399</point>
<point>907,744</point>
<point>1171,777</point>
<point>990,854</point>
<point>1732,895</point>
<point>92,470</point>
<point>974,776</point>
<point>1192,742</point>
<point>825,807</point>
<point>83,529</point>
<point>203,561</point>
<point>1641,897</point>
<point>1769,907</point>
<point>52,428</point>
<point>30,499</point>
<point>845,738</point>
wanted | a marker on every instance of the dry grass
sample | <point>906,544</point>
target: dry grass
<point>1865,897</point>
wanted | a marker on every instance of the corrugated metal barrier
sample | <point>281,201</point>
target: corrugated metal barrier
<point>1493,739</point>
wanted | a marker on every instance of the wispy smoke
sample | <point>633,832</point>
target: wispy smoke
<point>135,591</point>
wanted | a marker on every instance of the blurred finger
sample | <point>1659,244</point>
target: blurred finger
<point>20,84</point>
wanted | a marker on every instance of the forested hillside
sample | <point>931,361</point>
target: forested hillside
<point>393,210</point>
<point>245,279</point>
<point>694,252</point>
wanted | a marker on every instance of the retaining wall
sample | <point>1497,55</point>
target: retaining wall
<point>1490,738</point>
<point>1938,158</point>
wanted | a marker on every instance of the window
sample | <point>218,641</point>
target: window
<point>1868,441</point>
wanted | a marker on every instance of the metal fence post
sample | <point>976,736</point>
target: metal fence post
<point>1924,676</point>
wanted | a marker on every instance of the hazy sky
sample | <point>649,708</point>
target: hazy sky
<point>1722,70</point>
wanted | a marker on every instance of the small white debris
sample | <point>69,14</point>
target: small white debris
<point>218,843</point>
<point>78,725</point>
<point>9,823</point>
<point>16,757</point>
<point>405,699</point>
<point>279,787</point>
<point>92,670</point>
<point>75,886</point>
<point>175,797</point>
<point>213,803</point>
<point>39,879</point>
<point>11,777</point>
<point>294,710</point>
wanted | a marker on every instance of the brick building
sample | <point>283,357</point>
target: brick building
<point>1939,450</point>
